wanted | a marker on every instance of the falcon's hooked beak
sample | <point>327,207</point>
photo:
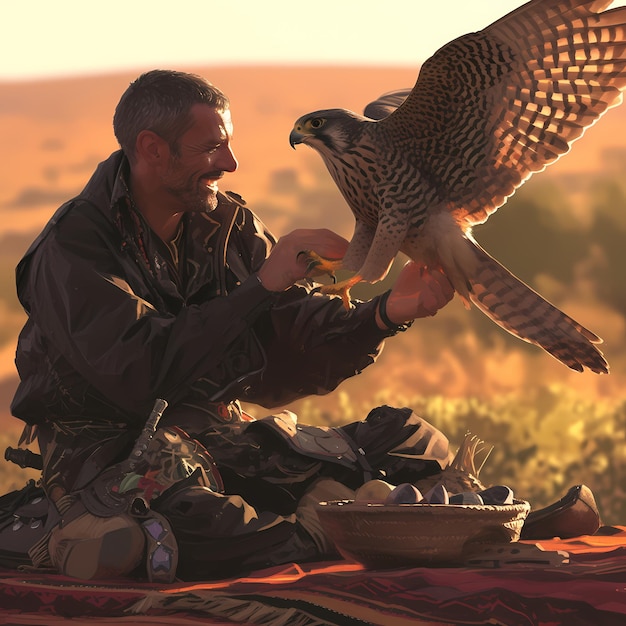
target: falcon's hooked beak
<point>296,136</point>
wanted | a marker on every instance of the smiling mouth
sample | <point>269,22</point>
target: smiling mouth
<point>211,181</point>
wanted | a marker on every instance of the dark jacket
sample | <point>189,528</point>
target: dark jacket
<point>112,325</point>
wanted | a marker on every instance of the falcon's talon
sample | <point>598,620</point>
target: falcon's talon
<point>343,292</point>
<point>312,265</point>
<point>321,264</point>
<point>343,289</point>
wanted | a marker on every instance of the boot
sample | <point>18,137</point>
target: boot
<point>575,514</point>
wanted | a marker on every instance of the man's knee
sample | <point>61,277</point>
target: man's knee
<point>90,547</point>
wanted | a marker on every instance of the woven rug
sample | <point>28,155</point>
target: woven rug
<point>588,587</point>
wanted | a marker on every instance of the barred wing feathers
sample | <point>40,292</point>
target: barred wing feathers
<point>521,311</point>
<point>491,108</point>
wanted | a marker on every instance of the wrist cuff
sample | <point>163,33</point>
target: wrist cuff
<point>382,312</point>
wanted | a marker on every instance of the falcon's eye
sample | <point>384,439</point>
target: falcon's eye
<point>317,122</point>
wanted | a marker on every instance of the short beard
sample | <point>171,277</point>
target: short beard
<point>211,203</point>
<point>193,199</point>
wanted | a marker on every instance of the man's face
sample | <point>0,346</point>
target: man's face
<point>204,155</point>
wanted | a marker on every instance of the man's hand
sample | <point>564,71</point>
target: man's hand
<point>418,292</point>
<point>286,266</point>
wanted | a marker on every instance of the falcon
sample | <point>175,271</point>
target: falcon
<point>426,165</point>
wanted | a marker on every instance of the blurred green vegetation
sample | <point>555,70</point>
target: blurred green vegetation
<point>544,442</point>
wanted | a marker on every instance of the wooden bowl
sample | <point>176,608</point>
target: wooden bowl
<point>388,536</point>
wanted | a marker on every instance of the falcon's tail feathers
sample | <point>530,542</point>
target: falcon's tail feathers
<point>524,313</point>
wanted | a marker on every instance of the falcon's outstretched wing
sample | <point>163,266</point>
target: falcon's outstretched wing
<point>492,107</point>
<point>386,104</point>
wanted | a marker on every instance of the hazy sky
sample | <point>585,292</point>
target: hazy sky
<point>43,38</point>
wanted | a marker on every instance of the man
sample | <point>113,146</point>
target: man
<point>153,284</point>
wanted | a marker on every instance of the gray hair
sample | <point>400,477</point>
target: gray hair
<point>161,101</point>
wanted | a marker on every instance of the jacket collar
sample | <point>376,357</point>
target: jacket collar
<point>108,186</point>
